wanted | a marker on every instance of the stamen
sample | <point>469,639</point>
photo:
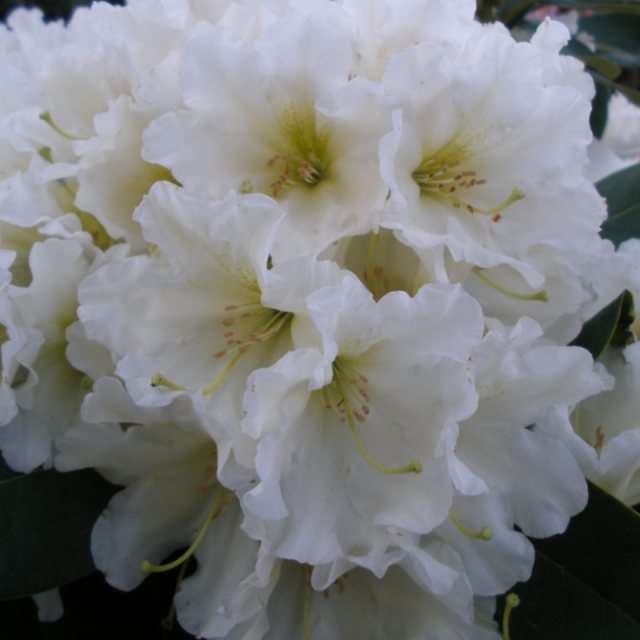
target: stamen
<point>269,323</point>
<point>294,170</point>
<point>486,533</point>
<point>346,413</point>
<point>539,296</point>
<point>511,602</point>
<point>301,159</point>
<point>46,117</point>
<point>222,499</point>
<point>438,177</point>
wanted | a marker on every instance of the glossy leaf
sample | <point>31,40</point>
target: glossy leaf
<point>619,6</point>
<point>603,66</point>
<point>616,36</point>
<point>585,582</point>
<point>45,525</point>
<point>513,10</point>
<point>599,110</point>
<point>598,332</point>
<point>622,192</point>
<point>633,95</point>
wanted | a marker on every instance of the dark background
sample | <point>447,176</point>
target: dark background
<point>52,8</point>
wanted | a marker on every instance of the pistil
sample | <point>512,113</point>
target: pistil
<point>347,395</point>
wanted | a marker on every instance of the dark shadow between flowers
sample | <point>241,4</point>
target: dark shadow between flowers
<point>53,9</point>
<point>93,609</point>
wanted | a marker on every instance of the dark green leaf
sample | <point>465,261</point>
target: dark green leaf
<point>607,68</point>
<point>599,110</point>
<point>603,66</point>
<point>616,36</point>
<point>45,525</point>
<point>585,582</point>
<point>617,6</point>
<point>598,332</point>
<point>512,11</point>
<point>622,192</point>
<point>630,93</point>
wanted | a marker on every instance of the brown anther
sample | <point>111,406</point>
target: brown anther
<point>228,322</point>
<point>231,307</point>
<point>220,354</point>
<point>470,209</point>
<point>359,417</point>
<point>496,218</point>
<point>228,334</point>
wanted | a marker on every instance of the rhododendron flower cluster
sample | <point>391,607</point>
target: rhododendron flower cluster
<point>300,277</point>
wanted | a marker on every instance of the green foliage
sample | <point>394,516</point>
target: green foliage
<point>511,11</point>
<point>607,326</point>
<point>616,36</point>
<point>584,582</point>
<point>45,525</point>
<point>622,193</point>
<point>600,110</point>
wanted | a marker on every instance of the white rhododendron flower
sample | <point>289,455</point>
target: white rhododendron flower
<point>520,378</point>
<point>299,132</point>
<point>299,277</point>
<point>52,390</point>
<point>369,422</point>
<point>610,424</point>
<point>472,169</point>
<point>622,133</point>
